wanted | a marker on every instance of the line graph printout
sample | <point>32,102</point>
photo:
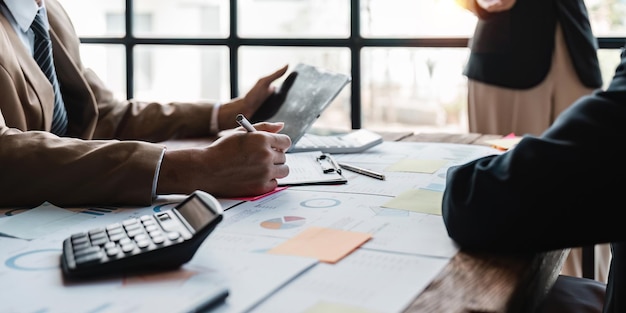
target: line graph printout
<point>417,233</point>
<point>365,281</point>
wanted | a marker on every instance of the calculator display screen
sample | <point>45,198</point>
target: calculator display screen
<point>196,213</point>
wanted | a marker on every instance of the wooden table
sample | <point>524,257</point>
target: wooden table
<point>474,282</point>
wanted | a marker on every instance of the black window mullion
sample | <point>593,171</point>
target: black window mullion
<point>234,43</point>
<point>355,52</point>
<point>129,46</point>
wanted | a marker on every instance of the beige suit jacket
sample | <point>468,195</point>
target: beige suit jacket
<point>109,155</point>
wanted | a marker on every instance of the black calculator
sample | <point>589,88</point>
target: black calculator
<point>164,240</point>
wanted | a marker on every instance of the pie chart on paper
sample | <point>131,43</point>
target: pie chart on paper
<point>285,222</point>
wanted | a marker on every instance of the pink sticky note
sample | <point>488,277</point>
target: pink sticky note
<point>277,189</point>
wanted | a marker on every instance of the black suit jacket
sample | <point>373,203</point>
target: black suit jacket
<point>562,189</point>
<point>514,48</point>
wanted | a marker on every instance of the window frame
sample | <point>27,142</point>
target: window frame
<point>233,42</point>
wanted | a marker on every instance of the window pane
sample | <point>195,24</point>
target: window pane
<point>107,61</point>
<point>415,18</point>
<point>294,19</point>
<point>607,17</point>
<point>190,18</point>
<point>260,61</point>
<point>414,88</point>
<point>104,18</point>
<point>609,60</point>
<point>181,73</point>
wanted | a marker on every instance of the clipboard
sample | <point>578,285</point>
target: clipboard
<point>312,168</point>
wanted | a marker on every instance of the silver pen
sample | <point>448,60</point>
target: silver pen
<point>362,171</point>
<point>243,121</point>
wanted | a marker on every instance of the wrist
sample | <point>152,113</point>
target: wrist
<point>174,178</point>
<point>229,111</point>
<point>214,126</point>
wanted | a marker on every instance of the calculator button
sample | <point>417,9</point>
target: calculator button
<point>109,245</point>
<point>163,217</point>
<point>132,227</point>
<point>117,237</point>
<point>89,258</point>
<point>114,231</point>
<point>142,236</point>
<point>80,239</point>
<point>78,235</point>
<point>151,228</point>
<point>96,236</point>
<point>111,252</point>
<point>156,233</point>
<point>128,247</point>
<point>99,241</point>
<point>96,231</point>
<point>173,235</point>
<point>142,244</point>
<point>86,251</point>
<point>81,246</point>
<point>125,240</point>
<point>135,232</point>
<point>158,239</point>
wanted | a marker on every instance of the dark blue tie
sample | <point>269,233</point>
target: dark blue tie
<point>43,56</point>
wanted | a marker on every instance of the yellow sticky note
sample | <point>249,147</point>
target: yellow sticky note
<point>325,244</point>
<point>418,200</point>
<point>417,166</point>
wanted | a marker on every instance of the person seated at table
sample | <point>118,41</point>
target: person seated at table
<point>559,190</point>
<point>65,139</point>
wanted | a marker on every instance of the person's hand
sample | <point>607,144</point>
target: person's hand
<point>239,164</point>
<point>251,102</point>
<point>493,6</point>
<point>271,105</point>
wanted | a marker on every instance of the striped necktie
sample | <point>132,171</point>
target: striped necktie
<point>43,56</point>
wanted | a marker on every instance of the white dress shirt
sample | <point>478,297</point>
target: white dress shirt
<point>21,14</point>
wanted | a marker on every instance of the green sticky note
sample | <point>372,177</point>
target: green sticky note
<point>417,166</point>
<point>418,200</point>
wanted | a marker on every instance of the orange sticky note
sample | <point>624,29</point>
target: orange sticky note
<point>505,143</point>
<point>325,244</point>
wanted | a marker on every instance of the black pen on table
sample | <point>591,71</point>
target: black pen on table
<point>243,121</point>
<point>362,171</point>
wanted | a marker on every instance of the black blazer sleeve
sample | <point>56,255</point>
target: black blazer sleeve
<point>562,189</point>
